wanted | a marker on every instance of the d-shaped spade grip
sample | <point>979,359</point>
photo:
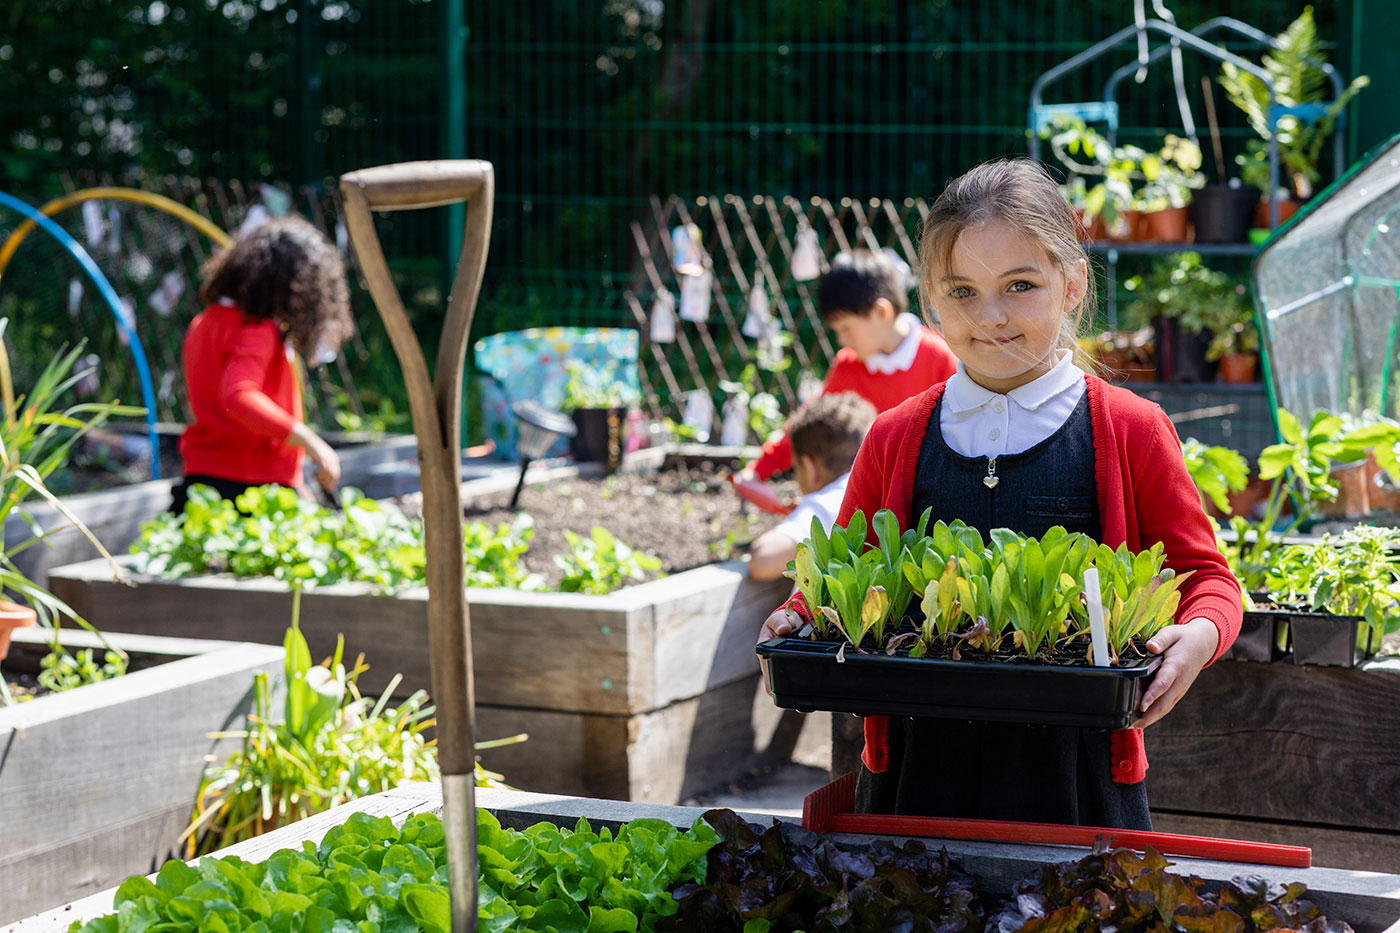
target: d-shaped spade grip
<point>435,403</point>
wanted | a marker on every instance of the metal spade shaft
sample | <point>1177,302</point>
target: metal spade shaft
<point>435,403</point>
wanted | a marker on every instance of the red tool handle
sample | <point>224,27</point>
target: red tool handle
<point>827,809</point>
<point>760,494</point>
<point>1221,850</point>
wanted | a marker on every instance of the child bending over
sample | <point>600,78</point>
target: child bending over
<point>825,435</point>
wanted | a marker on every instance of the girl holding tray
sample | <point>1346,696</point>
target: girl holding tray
<point>1022,437</point>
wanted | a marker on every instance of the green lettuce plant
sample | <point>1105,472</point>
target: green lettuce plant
<point>1216,471</point>
<point>271,531</point>
<point>60,670</point>
<point>369,875</point>
<point>1140,595</point>
<point>602,562</point>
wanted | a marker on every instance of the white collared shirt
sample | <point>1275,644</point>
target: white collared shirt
<point>977,422</point>
<point>824,504</point>
<point>901,357</point>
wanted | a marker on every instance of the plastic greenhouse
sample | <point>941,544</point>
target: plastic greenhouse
<point>1327,289</point>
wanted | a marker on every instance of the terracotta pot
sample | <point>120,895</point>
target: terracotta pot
<point>1238,368</point>
<point>13,616</point>
<point>1286,210</point>
<point>1168,226</point>
<point>1125,228</point>
<point>1354,492</point>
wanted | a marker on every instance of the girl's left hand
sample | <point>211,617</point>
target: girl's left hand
<point>1185,649</point>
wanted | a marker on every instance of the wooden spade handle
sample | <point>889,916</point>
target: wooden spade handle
<point>410,186</point>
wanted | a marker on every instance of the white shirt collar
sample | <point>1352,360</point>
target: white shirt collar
<point>963,395</point>
<point>901,357</point>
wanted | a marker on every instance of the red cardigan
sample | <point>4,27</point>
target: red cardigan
<point>243,390</point>
<point>1145,496</point>
<point>933,363</point>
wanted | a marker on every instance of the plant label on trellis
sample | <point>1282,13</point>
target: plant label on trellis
<point>114,231</point>
<point>756,321</point>
<point>92,223</point>
<point>695,296</point>
<point>772,346</point>
<point>167,295</point>
<point>734,426</point>
<point>699,414</point>
<point>685,250</point>
<point>808,388</point>
<point>806,256</point>
<point>75,297</point>
<point>663,317</point>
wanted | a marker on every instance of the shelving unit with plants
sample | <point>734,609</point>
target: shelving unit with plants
<point>1135,202</point>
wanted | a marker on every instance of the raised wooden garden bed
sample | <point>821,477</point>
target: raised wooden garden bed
<point>649,693</point>
<point>97,783</point>
<point>1369,902</point>
<point>1279,753</point>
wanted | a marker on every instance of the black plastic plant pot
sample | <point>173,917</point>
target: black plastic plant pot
<point>1328,640</point>
<point>1222,214</point>
<point>600,435</point>
<point>806,675</point>
<point>1263,637</point>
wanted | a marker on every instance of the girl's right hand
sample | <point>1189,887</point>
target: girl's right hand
<point>322,454</point>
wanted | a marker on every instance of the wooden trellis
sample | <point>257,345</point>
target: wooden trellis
<point>746,243</point>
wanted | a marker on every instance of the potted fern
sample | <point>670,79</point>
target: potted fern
<point>1295,68</point>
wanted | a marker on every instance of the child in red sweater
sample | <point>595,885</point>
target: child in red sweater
<point>278,288</point>
<point>886,354</point>
<point>1021,437</point>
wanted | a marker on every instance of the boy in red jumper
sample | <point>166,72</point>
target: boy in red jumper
<point>277,289</point>
<point>1020,437</point>
<point>886,354</point>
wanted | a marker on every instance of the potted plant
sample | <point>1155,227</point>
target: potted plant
<point>1352,587</point>
<point>598,400</point>
<point>1187,302</point>
<point>1294,66</point>
<point>1171,177</point>
<point>1000,630</point>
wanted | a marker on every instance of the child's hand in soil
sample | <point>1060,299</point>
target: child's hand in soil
<point>1185,649</point>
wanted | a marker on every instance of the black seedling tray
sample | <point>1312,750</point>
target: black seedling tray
<point>1263,637</point>
<point>805,675</point>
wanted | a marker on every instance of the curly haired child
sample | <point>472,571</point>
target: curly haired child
<point>1021,437</point>
<point>277,289</point>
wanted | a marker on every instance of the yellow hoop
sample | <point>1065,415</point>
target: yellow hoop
<point>135,195</point>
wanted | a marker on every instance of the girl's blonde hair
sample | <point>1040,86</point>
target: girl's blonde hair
<point>286,271</point>
<point>1020,193</point>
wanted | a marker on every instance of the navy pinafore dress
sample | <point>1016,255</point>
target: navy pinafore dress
<point>996,770</point>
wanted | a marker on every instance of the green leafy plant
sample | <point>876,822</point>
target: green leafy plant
<point>1140,595</point>
<point>368,874</point>
<point>1355,574</point>
<point>1216,471</point>
<point>60,670</point>
<point>1206,301</point>
<point>1044,579</point>
<point>602,562</point>
<point>37,434</point>
<point>270,531</point>
<point>330,745</point>
<point>598,386</point>
<point>1295,69</point>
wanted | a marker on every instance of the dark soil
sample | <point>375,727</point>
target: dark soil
<point>23,686</point>
<point>687,515</point>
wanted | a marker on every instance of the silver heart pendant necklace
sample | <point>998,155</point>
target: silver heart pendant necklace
<point>991,479</point>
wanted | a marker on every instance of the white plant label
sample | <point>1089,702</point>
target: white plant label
<point>93,225</point>
<point>756,321</point>
<point>699,414</point>
<point>663,317</point>
<point>685,250</point>
<point>695,297</point>
<point>734,427</point>
<point>806,256</point>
